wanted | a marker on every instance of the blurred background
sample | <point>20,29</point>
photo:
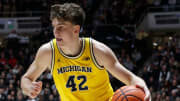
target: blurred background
<point>144,34</point>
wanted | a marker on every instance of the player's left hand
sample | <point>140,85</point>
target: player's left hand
<point>147,92</point>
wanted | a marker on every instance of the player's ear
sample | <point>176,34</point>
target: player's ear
<point>76,28</point>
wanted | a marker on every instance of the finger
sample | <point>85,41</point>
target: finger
<point>33,95</point>
<point>35,86</point>
<point>147,99</point>
<point>148,96</point>
<point>142,88</point>
<point>39,83</point>
<point>37,89</point>
<point>146,91</point>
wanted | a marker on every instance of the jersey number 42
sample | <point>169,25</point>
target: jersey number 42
<point>71,83</point>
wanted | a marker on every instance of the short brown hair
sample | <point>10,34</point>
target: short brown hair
<point>68,12</point>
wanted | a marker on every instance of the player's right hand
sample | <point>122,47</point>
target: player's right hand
<point>35,89</point>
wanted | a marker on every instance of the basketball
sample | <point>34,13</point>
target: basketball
<point>128,93</point>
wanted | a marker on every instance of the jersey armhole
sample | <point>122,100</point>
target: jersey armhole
<point>53,57</point>
<point>93,56</point>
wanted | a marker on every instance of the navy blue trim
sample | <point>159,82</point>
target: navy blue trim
<point>93,56</point>
<point>72,57</point>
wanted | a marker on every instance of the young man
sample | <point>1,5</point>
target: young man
<point>78,65</point>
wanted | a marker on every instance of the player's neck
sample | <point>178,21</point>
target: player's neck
<point>73,48</point>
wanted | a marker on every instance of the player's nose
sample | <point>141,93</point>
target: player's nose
<point>56,32</point>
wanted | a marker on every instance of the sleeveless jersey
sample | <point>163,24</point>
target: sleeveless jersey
<point>80,78</point>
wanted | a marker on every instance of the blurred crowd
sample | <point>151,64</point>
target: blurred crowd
<point>158,66</point>
<point>161,70</point>
<point>14,61</point>
<point>103,11</point>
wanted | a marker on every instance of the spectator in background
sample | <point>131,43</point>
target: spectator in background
<point>12,61</point>
<point>177,54</point>
<point>164,74</point>
<point>56,95</point>
<point>151,83</point>
<point>13,95</point>
<point>46,93</point>
<point>155,74</point>
<point>19,96</point>
<point>9,97</point>
<point>173,95</point>
<point>51,97</point>
<point>3,75</point>
<point>145,73</point>
<point>177,98</point>
<point>136,55</point>
<point>2,82</point>
<point>158,97</point>
<point>12,39</point>
<point>2,95</point>
<point>3,60</point>
<point>163,95</point>
<point>129,64</point>
<point>167,98</point>
<point>174,84</point>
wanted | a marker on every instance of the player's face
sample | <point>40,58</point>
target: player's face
<point>64,31</point>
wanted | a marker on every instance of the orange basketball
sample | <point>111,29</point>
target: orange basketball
<point>128,93</point>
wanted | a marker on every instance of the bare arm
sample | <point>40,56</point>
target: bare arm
<point>107,58</point>
<point>39,65</point>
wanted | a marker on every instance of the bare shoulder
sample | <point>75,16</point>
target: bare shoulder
<point>100,47</point>
<point>44,55</point>
<point>102,53</point>
<point>45,48</point>
<point>44,51</point>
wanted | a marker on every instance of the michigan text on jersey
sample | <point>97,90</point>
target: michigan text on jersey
<point>74,69</point>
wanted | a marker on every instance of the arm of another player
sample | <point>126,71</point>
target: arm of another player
<point>107,58</point>
<point>42,60</point>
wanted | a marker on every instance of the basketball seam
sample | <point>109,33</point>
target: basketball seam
<point>120,91</point>
<point>120,95</point>
<point>125,91</point>
<point>125,88</point>
<point>125,96</point>
<point>131,95</point>
<point>135,97</point>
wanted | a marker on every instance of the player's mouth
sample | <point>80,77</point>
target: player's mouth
<point>58,39</point>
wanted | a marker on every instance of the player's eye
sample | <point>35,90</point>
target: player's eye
<point>60,28</point>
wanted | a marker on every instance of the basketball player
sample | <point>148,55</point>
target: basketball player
<point>78,65</point>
